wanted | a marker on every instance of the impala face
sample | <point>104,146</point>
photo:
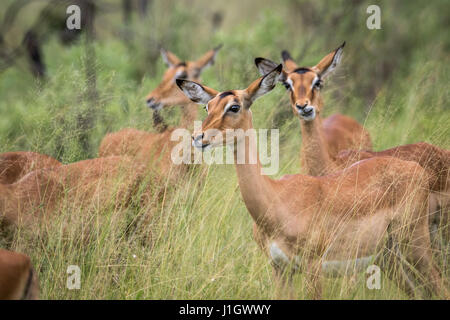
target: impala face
<point>303,83</point>
<point>303,86</point>
<point>167,92</point>
<point>226,111</point>
<point>229,112</point>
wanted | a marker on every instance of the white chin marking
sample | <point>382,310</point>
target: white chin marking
<point>195,145</point>
<point>309,117</point>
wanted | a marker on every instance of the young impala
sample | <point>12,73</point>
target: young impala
<point>317,223</point>
<point>321,140</point>
<point>90,184</point>
<point>14,165</point>
<point>154,149</point>
<point>18,279</point>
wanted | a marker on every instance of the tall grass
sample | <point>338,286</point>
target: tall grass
<point>199,243</point>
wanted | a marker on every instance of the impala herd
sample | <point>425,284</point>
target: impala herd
<point>350,207</point>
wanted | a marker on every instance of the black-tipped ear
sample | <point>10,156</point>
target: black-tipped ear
<point>195,91</point>
<point>288,62</point>
<point>278,68</point>
<point>205,61</point>
<point>258,60</point>
<point>329,63</point>
<point>180,82</point>
<point>285,55</point>
<point>169,58</point>
<point>263,85</point>
<point>264,65</point>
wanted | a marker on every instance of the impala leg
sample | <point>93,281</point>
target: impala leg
<point>392,264</point>
<point>419,255</point>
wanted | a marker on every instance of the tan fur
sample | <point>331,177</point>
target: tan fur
<point>15,273</point>
<point>15,165</point>
<point>434,160</point>
<point>343,215</point>
<point>152,150</point>
<point>89,184</point>
<point>333,134</point>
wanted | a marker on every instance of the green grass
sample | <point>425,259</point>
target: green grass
<point>199,244</point>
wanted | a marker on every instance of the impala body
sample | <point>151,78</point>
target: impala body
<point>434,160</point>
<point>90,184</point>
<point>304,222</point>
<point>18,279</point>
<point>15,165</point>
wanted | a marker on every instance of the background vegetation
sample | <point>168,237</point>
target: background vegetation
<point>394,80</point>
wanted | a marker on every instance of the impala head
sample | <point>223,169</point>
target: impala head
<point>228,110</point>
<point>167,93</point>
<point>303,83</point>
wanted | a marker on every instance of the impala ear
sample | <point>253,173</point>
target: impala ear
<point>169,58</point>
<point>263,85</point>
<point>288,62</point>
<point>195,91</point>
<point>206,60</point>
<point>265,65</point>
<point>329,62</point>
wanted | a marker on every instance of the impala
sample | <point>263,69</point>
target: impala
<point>18,279</point>
<point>321,140</point>
<point>154,149</point>
<point>14,165</point>
<point>167,94</point>
<point>312,224</point>
<point>90,184</point>
<point>323,144</point>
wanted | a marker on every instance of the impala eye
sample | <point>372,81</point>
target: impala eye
<point>318,84</point>
<point>287,85</point>
<point>235,108</point>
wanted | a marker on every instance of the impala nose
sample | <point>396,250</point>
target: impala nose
<point>301,107</point>
<point>153,104</point>
<point>306,111</point>
<point>198,137</point>
<point>197,141</point>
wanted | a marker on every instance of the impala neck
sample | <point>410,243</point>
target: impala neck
<point>256,189</point>
<point>315,157</point>
<point>190,112</point>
